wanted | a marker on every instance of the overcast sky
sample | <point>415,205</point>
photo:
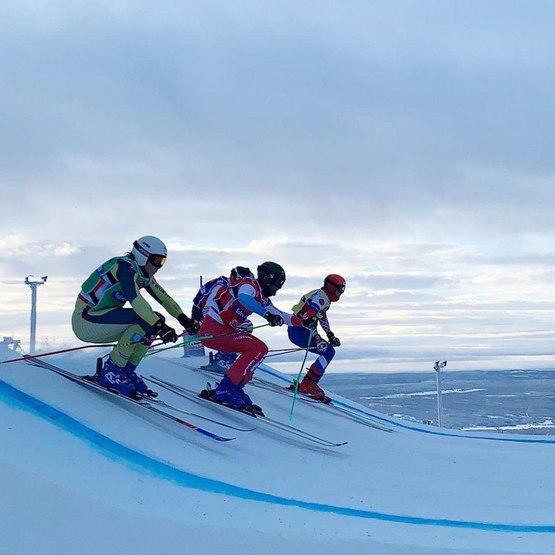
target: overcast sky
<point>407,145</point>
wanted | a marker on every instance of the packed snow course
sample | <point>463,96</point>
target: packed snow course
<point>86,472</point>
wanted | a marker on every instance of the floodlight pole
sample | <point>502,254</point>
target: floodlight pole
<point>437,367</point>
<point>33,283</point>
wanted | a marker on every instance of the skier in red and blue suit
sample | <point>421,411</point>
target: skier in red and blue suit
<point>222,361</point>
<point>315,304</point>
<point>201,298</point>
<point>226,320</point>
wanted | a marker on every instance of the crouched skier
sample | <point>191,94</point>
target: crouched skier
<point>317,303</point>
<point>221,361</point>
<point>99,316</point>
<point>227,310</point>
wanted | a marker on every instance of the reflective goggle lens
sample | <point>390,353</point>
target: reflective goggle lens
<point>157,260</point>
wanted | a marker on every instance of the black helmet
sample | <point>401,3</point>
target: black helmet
<point>271,277</point>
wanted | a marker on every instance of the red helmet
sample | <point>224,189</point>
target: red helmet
<point>334,286</point>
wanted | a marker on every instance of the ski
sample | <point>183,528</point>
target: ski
<point>195,415</point>
<point>255,381</point>
<point>339,408</point>
<point>261,419</point>
<point>365,421</point>
<point>330,404</point>
<point>289,391</point>
<point>146,405</point>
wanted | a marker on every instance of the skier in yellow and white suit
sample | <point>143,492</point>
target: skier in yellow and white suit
<point>99,315</point>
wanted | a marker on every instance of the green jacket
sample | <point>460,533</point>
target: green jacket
<point>118,281</point>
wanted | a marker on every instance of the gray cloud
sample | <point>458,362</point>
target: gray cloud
<point>406,145</point>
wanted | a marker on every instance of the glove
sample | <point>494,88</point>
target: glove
<point>273,319</point>
<point>190,326</point>
<point>196,313</point>
<point>333,340</point>
<point>310,323</point>
<point>321,345</point>
<point>165,333</point>
<point>245,326</point>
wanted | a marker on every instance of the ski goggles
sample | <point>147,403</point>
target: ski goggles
<point>157,260</point>
<point>277,283</point>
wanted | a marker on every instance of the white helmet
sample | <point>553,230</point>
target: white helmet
<point>149,249</point>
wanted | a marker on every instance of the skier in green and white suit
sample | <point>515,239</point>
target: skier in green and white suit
<point>99,316</point>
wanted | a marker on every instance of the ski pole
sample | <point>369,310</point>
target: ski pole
<point>191,340</point>
<point>95,345</point>
<point>188,341</point>
<point>299,374</point>
<point>277,352</point>
<point>25,357</point>
<point>100,345</point>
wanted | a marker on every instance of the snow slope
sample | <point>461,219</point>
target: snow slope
<point>82,474</point>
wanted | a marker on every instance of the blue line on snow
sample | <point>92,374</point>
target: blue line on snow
<point>139,461</point>
<point>414,428</point>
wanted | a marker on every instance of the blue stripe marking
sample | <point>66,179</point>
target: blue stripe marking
<point>120,453</point>
<point>545,441</point>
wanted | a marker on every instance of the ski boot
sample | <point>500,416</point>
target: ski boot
<point>138,382</point>
<point>309,386</point>
<point>225,394</point>
<point>249,405</point>
<point>114,378</point>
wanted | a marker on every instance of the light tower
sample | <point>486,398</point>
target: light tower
<point>438,367</point>
<point>33,283</point>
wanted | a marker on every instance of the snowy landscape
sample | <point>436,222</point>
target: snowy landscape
<point>504,401</point>
<point>85,473</point>
<point>403,145</point>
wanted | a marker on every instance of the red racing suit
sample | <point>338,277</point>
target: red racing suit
<point>226,311</point>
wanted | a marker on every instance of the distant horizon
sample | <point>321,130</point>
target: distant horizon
<point>291,363</point>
